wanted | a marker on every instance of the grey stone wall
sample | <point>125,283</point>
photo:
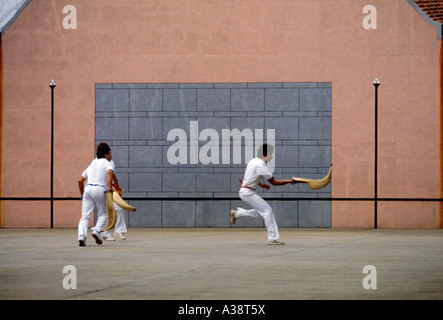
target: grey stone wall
<point>135,120</point>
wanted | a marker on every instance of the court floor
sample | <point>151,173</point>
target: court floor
<point>223,264</point>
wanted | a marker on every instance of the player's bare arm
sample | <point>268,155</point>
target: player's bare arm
<point>81,185</point>
<point>109,178</point>
<point>275,183</point>
<point>115,181</point>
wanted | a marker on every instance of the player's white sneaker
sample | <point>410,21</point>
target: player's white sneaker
<point>96,235</point>
<point>82,241</point>
<point>121,236</point>
<point>276,242</point>
<point>234,216</point>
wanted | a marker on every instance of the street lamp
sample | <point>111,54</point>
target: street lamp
<point>376,84</point>
<point>52,86</point>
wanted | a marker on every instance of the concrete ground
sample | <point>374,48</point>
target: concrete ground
<point>219,264</point>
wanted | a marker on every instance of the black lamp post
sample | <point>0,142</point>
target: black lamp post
<point>376,84</point>
<point>52,86</point>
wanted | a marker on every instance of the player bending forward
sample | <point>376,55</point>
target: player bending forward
<point>255,171</point>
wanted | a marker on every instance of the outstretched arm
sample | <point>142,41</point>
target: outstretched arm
<point>275,183</point>
<point>280,182</point>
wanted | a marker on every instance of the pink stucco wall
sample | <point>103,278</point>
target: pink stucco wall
<point>227,41</point>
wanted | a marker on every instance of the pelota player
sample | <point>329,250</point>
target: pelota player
<point>256,170</point>
<point>99,175</point>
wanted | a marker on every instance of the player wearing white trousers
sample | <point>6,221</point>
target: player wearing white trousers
<point>260,209</point>
<point>93,198</point>
<point>120,225</point>
<point>256,170</point>
<point>98,177</point>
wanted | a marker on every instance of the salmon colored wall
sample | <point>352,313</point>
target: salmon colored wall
<point>26,214</point>
<point>227,41</point>
<point>408,214</point>
<point>353,214</point>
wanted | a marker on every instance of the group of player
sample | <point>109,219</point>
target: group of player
<point>99,177</point>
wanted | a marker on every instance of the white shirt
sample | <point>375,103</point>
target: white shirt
<point>97,171</point>
<point>255,171</point>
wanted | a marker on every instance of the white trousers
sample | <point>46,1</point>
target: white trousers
<point>260,209</point>
<point>93,198</point>
<point>120,225</point>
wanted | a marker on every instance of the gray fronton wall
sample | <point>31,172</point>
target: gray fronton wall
<point>191,178</point>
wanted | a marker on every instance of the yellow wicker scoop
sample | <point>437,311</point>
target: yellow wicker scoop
<point>315,184</point>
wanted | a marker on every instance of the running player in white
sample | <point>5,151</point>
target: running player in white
<point>99,176</point>
<point>255,171</point>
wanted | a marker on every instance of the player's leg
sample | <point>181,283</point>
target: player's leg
<point>261,208</point>
<point>120,225</point>
<point>87,207</point>
<point>265,210</point>
<point>101,212</point>
<point>106,235</point>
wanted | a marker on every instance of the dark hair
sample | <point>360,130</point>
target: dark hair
<point>265,149</point>
<point>102,149</point>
